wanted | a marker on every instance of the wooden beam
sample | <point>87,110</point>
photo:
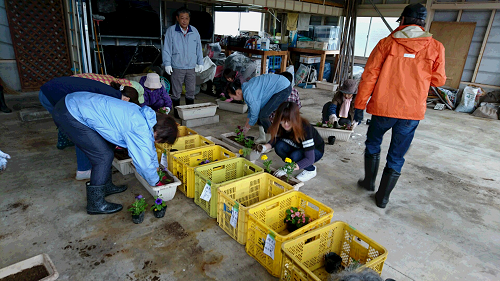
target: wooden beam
<point>430,14</point>
<point>321,2</point>
<point>480,85</point>
<point>459,16</point>
<point>466,6</point>
<point>483,46</point>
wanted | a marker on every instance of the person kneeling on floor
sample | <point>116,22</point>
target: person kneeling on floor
<point>340,111</point>
<point>294,137</point>
<point>97,124</point>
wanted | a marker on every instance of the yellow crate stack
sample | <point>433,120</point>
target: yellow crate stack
<point>184,162</point>
<point>303,257</point>
<point>268,218</point>
<point>182,143</point>
<point>228,172</point>
<point>247,193</point>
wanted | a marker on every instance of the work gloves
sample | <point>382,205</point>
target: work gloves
<point>333,118</point>
<point>279,173</point>
<point>198,68</point>
<point>169,70</point>
<point>262,148</point>
<point>3,160</point>
<point>358,115</point>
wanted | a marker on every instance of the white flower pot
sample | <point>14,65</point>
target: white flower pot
<point>254,155</point>
<point>341,135</point>
<point>42,259</point>
<point>195,111</point>
<point>165,192</point>
<point>231,106</point>
<point>230,147</point>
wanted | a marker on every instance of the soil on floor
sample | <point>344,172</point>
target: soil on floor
<point>34,273</point>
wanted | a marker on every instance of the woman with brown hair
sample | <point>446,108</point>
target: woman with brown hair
<point>294,137</point>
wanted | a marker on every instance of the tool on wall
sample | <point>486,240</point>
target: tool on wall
<point>100,51</point>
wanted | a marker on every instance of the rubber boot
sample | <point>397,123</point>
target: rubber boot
<point>96,203</point>
<point>112,189</point>
<point>389,179</point>
<point>63,141</point>
<point>262,136</point>
<point>189,101</point>
<point>174,104</point>
<point>3,105</point>
<point>371,168</point>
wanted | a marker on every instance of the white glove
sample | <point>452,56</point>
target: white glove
<point>354,125</point>
<point>332,118</point>
<point>262,148</point>
<point>3,160</point>
<point>279,173</point>
<point>246,129</point>
<point>169,70</point>
<point>198,68</point>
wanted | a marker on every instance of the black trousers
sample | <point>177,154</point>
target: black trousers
<point>99,151</point>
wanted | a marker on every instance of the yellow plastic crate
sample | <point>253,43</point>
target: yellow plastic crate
<point>303,257</point>
<point>248,193</point>
<point>182,143</point>
<point>184,162</point>
<point>233,171</point>
<point>185,131</point>
<point>268,218</point>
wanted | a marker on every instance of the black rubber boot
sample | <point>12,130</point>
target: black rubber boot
<point>389,179</point>
<point>371,168</point>
<point>96,203</point>
<point>3,105</point>
<point>174,104</point>
<point>189,101</point>
<point>112,189</point>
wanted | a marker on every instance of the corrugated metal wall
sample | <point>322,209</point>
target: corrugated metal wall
<point>489,70</point>
<point>8,66</point>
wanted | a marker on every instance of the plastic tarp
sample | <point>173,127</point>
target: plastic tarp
<point>207,73</point>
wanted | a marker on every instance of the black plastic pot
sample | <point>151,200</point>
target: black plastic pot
<point>331,140</point>
<point>250,137</point>
<point>161,213</point>
<point>291,227</point>
<point>333,262</point>
<point>138,219</point>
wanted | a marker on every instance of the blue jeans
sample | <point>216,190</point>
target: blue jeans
<point>285,150</point>
<point>82,162</point>
<point>403,131</point>
<point>273,104</point>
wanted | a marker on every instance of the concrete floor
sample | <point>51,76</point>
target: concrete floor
<point>443,221</point>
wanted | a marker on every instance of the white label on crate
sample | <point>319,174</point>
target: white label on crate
<point>207,192</point>
<point>234,215</point>
<point>409,56</point>
<point>269,246</point>
<point>164,161</point>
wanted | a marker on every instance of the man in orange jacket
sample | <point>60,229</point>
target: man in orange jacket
<point>397,76</point>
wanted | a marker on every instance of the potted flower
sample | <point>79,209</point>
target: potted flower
<point>138,208</point>
<point>289,166</point>
<point>295,219</point>
<point>267,163</point>
<point>159,207</point>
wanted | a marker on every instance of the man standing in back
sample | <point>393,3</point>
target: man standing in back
<point>182,57</point>
<point>397,77</point>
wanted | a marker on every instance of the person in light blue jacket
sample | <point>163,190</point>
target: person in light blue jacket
<point>263,95</point>
<point>182,57</point>
<point>96,124</point>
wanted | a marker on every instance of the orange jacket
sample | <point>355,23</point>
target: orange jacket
<point>399,72</point>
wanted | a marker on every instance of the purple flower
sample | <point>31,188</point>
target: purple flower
<point>239,127</point>
<point>138,197</point>
<point>158,201</point>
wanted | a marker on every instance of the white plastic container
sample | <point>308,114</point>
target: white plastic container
<point>123,166</point>
<point>331,44</point>
<point>254,155</point>
<point>165,192</point>
<point>341,135</point>
<point>194,111</point>
<point>326,31</point>
<point>229,147</point>
<point>42,259</point>
<point>233,107</point>
<point>264,44</point>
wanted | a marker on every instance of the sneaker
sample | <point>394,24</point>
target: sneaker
<point>83,175</point>
<point>306,175</point>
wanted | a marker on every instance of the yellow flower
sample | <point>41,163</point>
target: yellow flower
<point>241,151</point>
<point>264,157</point>
<point>156,210</point>
<point>288,160</point>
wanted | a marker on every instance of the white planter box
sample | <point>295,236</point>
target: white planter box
<point>42,259</point>
<point>194,111</point>
<point>231,106</point>
<point>296,186</point>
<point>254,155</point>
<point>341,135</point>
<point>217,141</point>
<point>165,192</point>
<point>123,166</point>
<point>326,85</point>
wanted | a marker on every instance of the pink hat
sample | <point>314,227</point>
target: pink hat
<point>152,81</point>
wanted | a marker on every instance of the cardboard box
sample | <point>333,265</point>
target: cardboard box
<point>310,59</point>
<point>305,44</point>
<point>321,46</point>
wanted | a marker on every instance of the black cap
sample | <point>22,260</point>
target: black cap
<point>417,11</point>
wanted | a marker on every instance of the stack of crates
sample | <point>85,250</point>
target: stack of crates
<point>274,62</point>
<point>328,34</point>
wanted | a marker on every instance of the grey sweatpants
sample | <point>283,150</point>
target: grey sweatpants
<point>186,76</point>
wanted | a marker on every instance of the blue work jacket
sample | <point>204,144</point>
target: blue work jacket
<point>182,51</point>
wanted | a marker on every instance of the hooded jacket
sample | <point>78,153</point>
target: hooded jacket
<point>182,51</point>
<point>121,123</point>
<point>399,72</point>
<point>155,98</point>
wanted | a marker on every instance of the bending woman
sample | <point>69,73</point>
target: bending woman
<point>98,123</point>
<point>58,88</point>
<point>294,137</point>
